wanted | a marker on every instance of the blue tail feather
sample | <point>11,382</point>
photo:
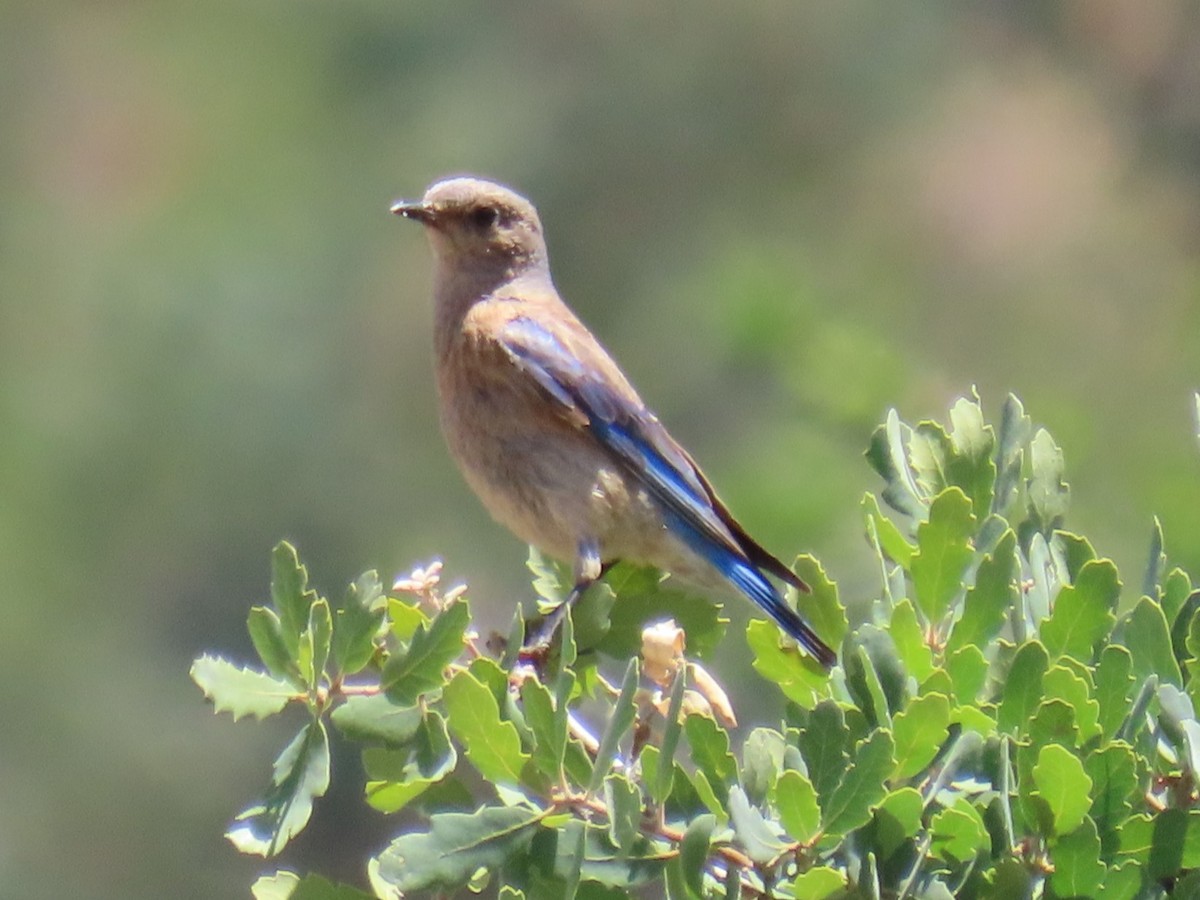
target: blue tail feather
<point>748,579</point>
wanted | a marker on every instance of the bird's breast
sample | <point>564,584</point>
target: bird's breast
<point>535,467</point>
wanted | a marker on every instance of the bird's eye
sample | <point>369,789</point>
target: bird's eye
<point>485,217</point>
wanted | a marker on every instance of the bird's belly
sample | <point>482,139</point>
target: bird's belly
<point>553,487</point>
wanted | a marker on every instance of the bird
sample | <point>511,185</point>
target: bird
<point>548,431</point>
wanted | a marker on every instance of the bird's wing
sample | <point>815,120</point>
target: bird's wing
<point>613,413</point>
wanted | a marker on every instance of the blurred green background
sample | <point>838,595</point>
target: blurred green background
<point>783,218</point>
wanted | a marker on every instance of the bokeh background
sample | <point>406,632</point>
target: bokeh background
<point>783,218</point>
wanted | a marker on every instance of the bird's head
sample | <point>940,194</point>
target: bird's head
<point>478,224</point>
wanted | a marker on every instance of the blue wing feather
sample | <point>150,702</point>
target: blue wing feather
<point>635,438</point>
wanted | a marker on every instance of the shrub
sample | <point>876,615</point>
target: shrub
<point>998,726</point>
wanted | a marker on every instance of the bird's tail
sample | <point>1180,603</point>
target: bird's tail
<point>754,584</point>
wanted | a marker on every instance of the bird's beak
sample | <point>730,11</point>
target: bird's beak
<point>416,210</point>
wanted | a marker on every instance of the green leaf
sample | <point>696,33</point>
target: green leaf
<point>1174,841</point>
<point>1075,549</point>
<point>623,803</point>
<point>553,580</point>
<point>944,552</point>
<point>920,731</point>
<point>315,641</point>
<point>396,777</point>
<point>620,721</point>
<point>1180,604</point>
<point>290,595</point>
<point>970,465</point>
<point>660,786</point>
<point>266,633</point>
<point>404,618</point>
<point>1023,688</point>
<point>1114,688</point>
<point>421,667</point>
<point>875,676</point>
<point>1063,684</point>
<point>862,787</point>
<point>1015,429</point>
<point>492,745</point>
<point>1064,785</point>
<point>710,752</point>
<point>1149,642</point>
<point>275,887</point>
<point>991,597</point>
<point>758,837</point>
<point>795,800</point>
<point>818,883</point>
<point>693,851</point>
<point>930,452</point>
<point>548,727</point>
<point>823,743</point>
<point>1048,494</point>
<point>599,870</point>
<point>887,456</point>
<point>968,670</point>
<point>242,692</point>
<point>591,616</point>
<point>762,761</point>
<point>704,793</point>
<point>898,819</point>
<point>958,832</point>
<point>289,886</point>
<point>891,540</point>
<point>1082,615</point>
<point>301,774</point>
<point>1113,771</point>
<point>909,639</point>
<point>376,718</point>
<point>1053,723</point>
<point>455,847</point>
<point>797,674</point>
<point>821,607</point>
<point>1121,882</point>
<point>643,596</point>
<point>1156,563</point>
<point>1078,871</point>
<point>569,859</point>
<point>356,624</point>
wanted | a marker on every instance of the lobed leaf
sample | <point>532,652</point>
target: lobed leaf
<point>356,624</point>
<point>240,691</point>
<point>1083,612</point>
<point>290,595</point>
<point>1023,689</point>
<point>943,552</point>
<point>492,745</point>
<point>301,774</point>
<point>795,800</point>
<point>909,638</point>
<point>988,601</point>
<point>455,847</point>
<point>396,777</point>
<point>862,787</point>
<point>620,721</point>
<point>376,718</point>
<point>1064,785</point>
<point>1148,640</point>
<point>421,666</point>
<point>1078,871</point>
<point>919,732</point>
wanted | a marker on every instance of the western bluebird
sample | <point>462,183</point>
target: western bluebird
<point>548,431</point>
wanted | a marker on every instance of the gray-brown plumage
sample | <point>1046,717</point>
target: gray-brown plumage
<point>548,431</point>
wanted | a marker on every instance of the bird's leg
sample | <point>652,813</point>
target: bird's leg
<point>589,569</point>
